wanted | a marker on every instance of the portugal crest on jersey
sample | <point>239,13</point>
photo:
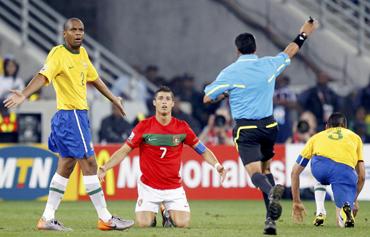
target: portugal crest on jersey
<point>176,139</point>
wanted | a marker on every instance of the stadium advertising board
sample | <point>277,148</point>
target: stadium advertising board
<point>25,172</point>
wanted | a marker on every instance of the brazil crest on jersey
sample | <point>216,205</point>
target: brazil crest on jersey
<point>160,150</point>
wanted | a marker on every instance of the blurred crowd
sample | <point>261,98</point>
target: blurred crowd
<point>300,115</point>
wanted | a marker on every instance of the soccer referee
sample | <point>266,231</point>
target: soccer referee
<point>249,83</point>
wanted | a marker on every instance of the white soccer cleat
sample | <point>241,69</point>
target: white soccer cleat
<point>52,224</point>
<point>115,223</point>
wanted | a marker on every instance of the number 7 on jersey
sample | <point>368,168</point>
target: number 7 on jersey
<point>164,151</point>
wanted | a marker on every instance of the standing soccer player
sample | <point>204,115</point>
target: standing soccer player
<point>336,156</point>
<point>69,68</point>
<point>161,139</point>
<point>250,82</point>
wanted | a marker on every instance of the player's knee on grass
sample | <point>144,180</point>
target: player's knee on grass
<point>144,219</point>
<point>180,219</point>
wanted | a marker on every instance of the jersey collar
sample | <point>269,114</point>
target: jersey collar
<point>71,50</point>
<point>247,57</point>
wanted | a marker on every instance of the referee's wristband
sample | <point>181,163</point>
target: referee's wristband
<point>217,165</point>
<point>299,40</point>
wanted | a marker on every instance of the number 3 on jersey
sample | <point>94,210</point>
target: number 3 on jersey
<point>164,151</point>
<point>336,135</point>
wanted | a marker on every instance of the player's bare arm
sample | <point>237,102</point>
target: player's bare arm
<point>18,97</point>
<point>211,159</point>
<point>298,209</point>
<point>116,158</point>
<point>360,170</point>
<point>307,28</point>
<point>104,90</point>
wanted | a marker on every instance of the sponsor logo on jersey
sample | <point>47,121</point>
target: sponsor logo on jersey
<point>25,172</point>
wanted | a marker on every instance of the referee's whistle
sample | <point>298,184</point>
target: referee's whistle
<point>311,20</point>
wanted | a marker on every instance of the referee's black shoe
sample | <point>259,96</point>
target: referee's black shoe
<point>270,227</point>
<point>275,208</point>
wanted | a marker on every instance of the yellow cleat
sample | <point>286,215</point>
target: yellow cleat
<point>319,220</point>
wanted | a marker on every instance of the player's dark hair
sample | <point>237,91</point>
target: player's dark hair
<point>67,22</point>
<point>164,89</point>
<point>5,65</point>
<point>245,43</point>
<point>337,120</point>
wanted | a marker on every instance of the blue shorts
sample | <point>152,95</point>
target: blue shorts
<point>70,134</point>
<point>343,179</point>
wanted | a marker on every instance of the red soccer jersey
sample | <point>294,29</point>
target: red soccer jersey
<point>160,150</point>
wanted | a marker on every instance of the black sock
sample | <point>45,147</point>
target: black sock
<point>260,181</point>
<point>270,178</point>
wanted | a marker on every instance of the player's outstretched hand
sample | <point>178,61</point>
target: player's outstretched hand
<point>101,173</point>
<point>298,212</point>
<point>222,172</point>
<point>118,103</point>
<point>16,98</point>
<point>356,206</point>
<point>309,26</point>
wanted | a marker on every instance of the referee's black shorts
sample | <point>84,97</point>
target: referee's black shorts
<point>255,139</point>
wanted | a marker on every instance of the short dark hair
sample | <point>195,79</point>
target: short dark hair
<point>337,119</point>
<point>164,89</point>
<point>66,24</point>
<point>245,43</point>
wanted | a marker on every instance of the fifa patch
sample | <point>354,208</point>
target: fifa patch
<point>132,135</point>
<point>139,202</point>
<point>44,68</point>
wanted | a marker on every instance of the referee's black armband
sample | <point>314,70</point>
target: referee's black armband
<point>299,40</point>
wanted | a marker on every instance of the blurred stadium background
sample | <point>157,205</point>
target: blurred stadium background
<point>138,45</point>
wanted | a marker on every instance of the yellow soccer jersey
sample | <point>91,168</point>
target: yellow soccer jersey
<point>339,144</point>
<point>69,73</point>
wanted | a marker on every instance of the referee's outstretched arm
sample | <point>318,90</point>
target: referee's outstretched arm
<point>307,28</point>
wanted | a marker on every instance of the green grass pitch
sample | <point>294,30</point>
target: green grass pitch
<point>209,218</point>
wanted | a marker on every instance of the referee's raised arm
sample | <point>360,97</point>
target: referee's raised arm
<point>307,28</point>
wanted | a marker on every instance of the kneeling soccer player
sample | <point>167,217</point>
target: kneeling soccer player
<point>336,159</point>
<point>161,139</point>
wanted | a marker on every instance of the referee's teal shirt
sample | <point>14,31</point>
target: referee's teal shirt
<point>250,82</point>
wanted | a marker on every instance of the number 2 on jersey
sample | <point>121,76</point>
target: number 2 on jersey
<point>164,151</point>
